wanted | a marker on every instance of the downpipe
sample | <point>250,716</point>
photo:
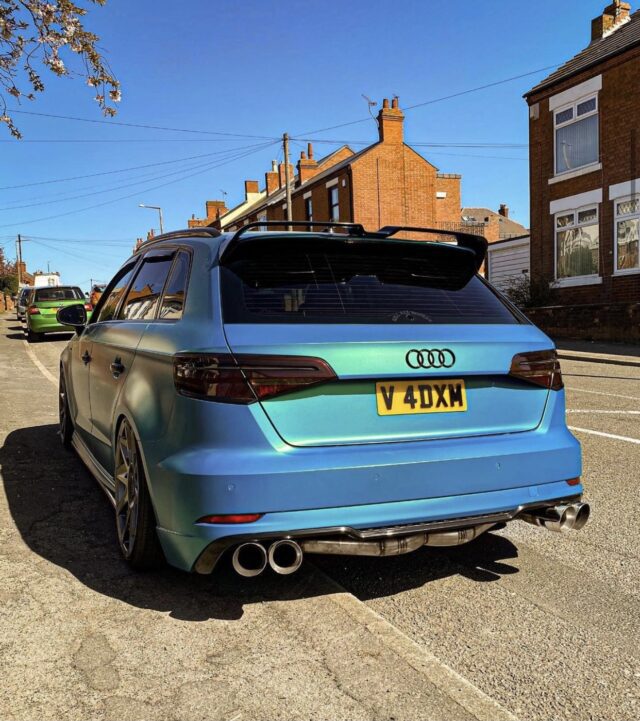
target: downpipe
<point>563,517</point>
<point>393,546</point>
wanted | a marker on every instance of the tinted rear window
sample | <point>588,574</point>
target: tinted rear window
<point>354,285</point>
<point>45,294</point>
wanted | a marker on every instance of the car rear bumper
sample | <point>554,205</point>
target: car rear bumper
<point>201,550</point>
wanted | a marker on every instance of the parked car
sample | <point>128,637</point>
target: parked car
<point>96,292</point>
<point>271,394</point>
<point>21,302</point>
<point>42,306</point>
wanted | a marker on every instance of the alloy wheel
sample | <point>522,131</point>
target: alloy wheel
<point>127,491</point>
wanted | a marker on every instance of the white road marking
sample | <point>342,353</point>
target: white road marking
<point>463,692</point>
<point>605,435</point>
<point>45,372</point>
<point>602,393</point>
<point>591,410</point>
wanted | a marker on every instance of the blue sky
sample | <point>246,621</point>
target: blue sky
<point>259,68</point>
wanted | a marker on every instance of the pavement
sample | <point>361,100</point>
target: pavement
<point>521,624</point>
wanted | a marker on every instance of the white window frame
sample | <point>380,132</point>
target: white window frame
<point>330,191</point>
<point>616,218</point>
<point>591,279</point>
<point>573,105</point>
<point>261,218</point>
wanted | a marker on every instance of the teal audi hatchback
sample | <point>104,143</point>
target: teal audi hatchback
<point>267,394</point>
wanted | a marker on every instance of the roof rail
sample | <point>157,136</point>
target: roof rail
<point>205,232</point>
<point>476,243</point>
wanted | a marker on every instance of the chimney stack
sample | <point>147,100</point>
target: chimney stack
<point>251,190</point>
<point>504,210</point>
<point>390,122</point>
<point>307,166</point>
<point>614,15</point>
<point>271,178</point>
<point>215,209</point>
<point>282,175</point>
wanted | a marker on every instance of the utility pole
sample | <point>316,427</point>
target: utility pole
<point>19,255</point>
<point>285,147</point>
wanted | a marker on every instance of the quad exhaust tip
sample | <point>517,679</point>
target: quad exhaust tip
<point>249,559</point>
<point>285,557</point>
<point>563,517</point>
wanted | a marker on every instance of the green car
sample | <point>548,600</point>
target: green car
<point>44,303</point>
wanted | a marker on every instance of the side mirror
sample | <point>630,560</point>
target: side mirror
<point>73,315</point>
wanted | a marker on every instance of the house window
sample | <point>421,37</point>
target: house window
<point>334,205</point>
<point>308,209</point>
<point>261,219</point>
<point>577,243</point>
<point>627,222</point>
<point>576,135</point>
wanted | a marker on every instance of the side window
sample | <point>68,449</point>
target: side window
<point>106,307</point>
<point>174,294</point>
<point>144,294</point>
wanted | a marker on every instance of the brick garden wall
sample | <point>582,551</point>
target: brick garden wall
<point>617,322</point>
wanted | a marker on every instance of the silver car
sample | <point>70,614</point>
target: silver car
<point>21,303</point>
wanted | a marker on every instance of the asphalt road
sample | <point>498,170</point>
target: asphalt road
<point>522,623</point>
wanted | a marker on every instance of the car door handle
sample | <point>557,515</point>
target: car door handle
<point>116,368</point>
<point>86,357</point>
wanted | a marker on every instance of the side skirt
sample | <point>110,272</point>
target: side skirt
<point>97,471</point>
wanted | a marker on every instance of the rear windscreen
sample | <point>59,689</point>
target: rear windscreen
<point>356,285</point>
<point>44,294</point>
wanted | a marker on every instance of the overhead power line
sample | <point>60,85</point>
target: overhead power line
<point>136,193</point>
<point>433,100</point>
<point>145,126</point>
<point>145,179</point>
<point>124,170</point>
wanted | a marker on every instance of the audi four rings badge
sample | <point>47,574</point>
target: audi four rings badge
<point>430,358</point>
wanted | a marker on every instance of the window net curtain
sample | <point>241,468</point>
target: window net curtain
<point>577,144</point>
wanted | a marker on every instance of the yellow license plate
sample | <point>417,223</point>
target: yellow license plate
<point>396,398</point>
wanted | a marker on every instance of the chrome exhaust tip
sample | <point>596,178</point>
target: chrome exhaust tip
<point>249,559</point>
<point>285,557</point>
<point>563,517</point>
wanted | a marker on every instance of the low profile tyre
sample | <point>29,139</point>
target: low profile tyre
<point>33,337</point>
<point>135,519</point>
<point>66,424</point>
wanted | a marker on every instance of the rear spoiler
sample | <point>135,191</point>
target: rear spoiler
<point>355,231</point>
<point>476,243</point>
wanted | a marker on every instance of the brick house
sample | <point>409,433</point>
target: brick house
<point>584,135</point>
<point>386,183</point>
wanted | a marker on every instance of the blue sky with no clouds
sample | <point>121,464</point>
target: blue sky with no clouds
<point>259,68</point>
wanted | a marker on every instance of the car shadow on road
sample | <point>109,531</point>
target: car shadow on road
<point>63,516</point>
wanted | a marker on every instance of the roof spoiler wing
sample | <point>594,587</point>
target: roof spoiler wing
<point>476,243</point>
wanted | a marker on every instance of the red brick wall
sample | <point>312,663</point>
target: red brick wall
<point>448,209</point>
<point>393,185</point>
<point>619,123</point>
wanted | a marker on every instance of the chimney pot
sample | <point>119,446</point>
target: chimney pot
<point>303,155</point>
<point>504,210</point>
<point>310,151</point>
<point>394,102</point>
<point>390,123</point>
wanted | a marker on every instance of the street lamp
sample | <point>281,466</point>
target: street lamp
<point>154,207</point>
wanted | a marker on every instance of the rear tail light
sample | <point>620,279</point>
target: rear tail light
<point>231,518</point>
<point>32,310</point>
<point>541,368</point>
<point>246,378</point>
